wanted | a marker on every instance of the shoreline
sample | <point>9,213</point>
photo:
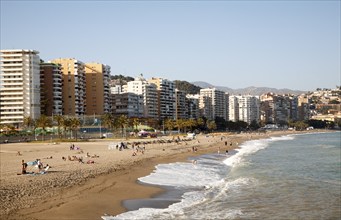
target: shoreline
<point>96,192</point>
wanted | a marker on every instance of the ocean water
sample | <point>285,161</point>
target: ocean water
<point>288,177</point>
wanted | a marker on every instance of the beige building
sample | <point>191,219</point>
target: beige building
<point>97,88</point>
<point>74,86</point>
<point>51,89</point>
<point>19,86</point>
<point>166,97</point>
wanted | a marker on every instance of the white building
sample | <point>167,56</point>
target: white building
<point>213,103</point>
<point>19,86</point>
<point>244,108</point>
<point>148,91</point>
<point>233,109</point>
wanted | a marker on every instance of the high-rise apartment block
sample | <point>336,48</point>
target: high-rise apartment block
<point>97,88</point>
<point>192,102</point>
<point>166,97</point>
<point>248,108</point>
<point>181,107</point>
<point>148,91</point>
<point>19,86</point>
<point>51,89</point>
<point>212,103</point>
<point>74,86</point>
<point>278,109</point>
<point>244,108</point>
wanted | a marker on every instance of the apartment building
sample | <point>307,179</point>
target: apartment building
<point>192,102</point>
<point>303,107</point>
<point>212,103</point>
<point>233,109</point>
<point>19,86</point>
<point>148,91</point>
<point>181,107</point>
<point>97,88</point>
<point>51,89</point>
<point>129,104</point>
<point>244,108</point>
<point>74,86</point>
<point>278,109</point>
<point>166,97</point>
<point>248,108</point>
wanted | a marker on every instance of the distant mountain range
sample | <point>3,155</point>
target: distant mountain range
<point>249,90</point>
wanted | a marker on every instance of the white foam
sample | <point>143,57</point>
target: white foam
<point>187,208</point>
<point>251,147</point>
<point>183,175</point>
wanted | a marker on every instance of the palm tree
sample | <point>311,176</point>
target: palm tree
<point>211,125</point>
<point>135,122</point>
<point>122,122</point>
<point>28,122</point>
<point>44,122</point>
<point>66,125</point>
<point>169,124</point>
<point>200,122</point>
<point>60,121</point>
<point>74,124</point>
<point>108,120</point>
<point>191,123</point>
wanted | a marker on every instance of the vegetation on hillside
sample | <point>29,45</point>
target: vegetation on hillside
<point>121,78</point>
<point>187,87</point>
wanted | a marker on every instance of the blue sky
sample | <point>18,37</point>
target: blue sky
<point>281,44</point>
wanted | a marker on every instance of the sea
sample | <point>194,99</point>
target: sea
<point>288,177</point>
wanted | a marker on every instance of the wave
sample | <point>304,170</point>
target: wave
<point>251,147</point>
<point>206,184</point>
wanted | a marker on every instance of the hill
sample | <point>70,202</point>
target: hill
<point>252,90</point>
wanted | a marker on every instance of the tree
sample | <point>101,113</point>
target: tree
<point>28,122</point>
<point>169,124</point>
<point>66,125</point>
<point>135,123</point>
<point>211,125</point>
<point>60,121</point>
<point>43,122</point>
<point>254,125</point>
<point>108,121</point>
<point>74,124</point>
<point>122,122</point>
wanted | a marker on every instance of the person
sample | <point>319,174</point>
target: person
<point>24,166</point>
<point>227,151</point>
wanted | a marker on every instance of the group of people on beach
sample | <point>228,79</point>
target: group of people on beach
<point>37,163</point>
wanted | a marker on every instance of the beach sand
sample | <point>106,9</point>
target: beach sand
<point>73,190</point>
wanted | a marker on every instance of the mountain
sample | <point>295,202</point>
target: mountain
<point>249,90</point>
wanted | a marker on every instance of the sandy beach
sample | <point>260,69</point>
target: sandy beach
<point>75,190</point>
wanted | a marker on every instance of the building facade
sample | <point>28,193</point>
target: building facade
<point>19,86</point>
<point>248,108</point>
<point>212,103</point>
<point>148,91</point>
<point>129,104</point>
<point>181,107</point>
<point>97,88</point>
<point>74,86</point>
<point>166,97</point>
<point>192,102</point>
<point>51,89</point>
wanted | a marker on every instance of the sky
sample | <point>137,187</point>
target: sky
<point>278,44</point>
